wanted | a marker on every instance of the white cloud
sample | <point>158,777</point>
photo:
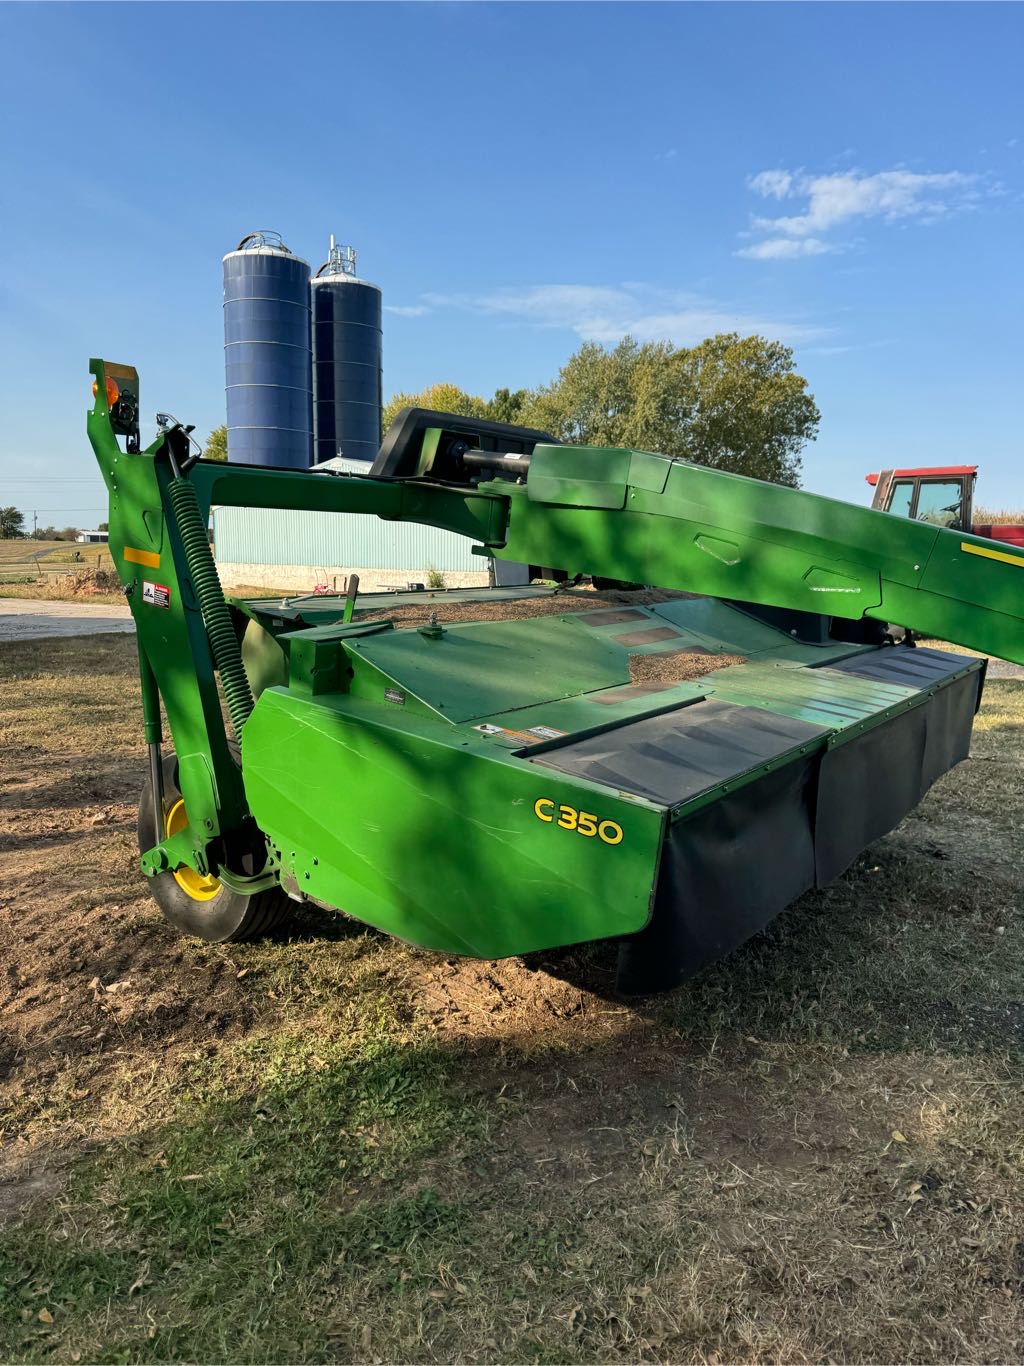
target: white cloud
<point>785,248</point>
<point>772,184</point>
<point>407,310</point>
<point>831,201</point>
<point>606,313</point>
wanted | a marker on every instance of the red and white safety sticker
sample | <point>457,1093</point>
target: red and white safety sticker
<point>156,594</point>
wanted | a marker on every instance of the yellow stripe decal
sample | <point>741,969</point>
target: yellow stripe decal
<point>1017,560</point>
<point>146,557</point>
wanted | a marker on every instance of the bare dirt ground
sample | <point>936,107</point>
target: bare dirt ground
<point>332,1147</point>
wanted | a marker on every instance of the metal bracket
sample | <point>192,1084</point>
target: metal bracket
<point>175,851</point>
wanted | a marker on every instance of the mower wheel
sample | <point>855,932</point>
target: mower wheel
<point>203,906</point>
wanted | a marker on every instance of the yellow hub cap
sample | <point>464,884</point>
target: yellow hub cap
<point>193,884</point>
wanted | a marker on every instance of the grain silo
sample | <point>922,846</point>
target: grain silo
<point>346,360</point>
<point>267,353</point>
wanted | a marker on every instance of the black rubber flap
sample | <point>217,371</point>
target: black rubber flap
<point>867,785</point>
<point>681,754</point>
<point>732,866</point>
<point>726,871</point>
<point>909,667</point>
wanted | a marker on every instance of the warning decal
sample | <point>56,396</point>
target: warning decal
<point>532,736</point>
<point>156,594</point>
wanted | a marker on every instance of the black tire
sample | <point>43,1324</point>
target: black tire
<point>218,915</point>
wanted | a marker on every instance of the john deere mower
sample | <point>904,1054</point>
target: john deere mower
<point>495,787</point>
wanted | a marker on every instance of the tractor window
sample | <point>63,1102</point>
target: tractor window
<point>941,504</point>
<point>902,494</point>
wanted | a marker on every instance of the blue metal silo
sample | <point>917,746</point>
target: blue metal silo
<point>267,358</point>
<point>346,360</point>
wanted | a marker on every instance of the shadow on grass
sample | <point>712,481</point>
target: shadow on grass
<point>312,924</point>
<point>905,951</point>
<point>234,1220</point>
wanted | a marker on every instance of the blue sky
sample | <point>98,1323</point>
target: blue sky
<point>518,178</point>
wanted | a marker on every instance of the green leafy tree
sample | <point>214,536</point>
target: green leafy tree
<point>216,447</point>
<point>103,526</point>
<point>445,398</point>
<point>12,523</point>
<point>734,403</point>
<point>507,405</point>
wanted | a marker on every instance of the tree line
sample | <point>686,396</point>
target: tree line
<point>12,528</point>
<point>733,403</point>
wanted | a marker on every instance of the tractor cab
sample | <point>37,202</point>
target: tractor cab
<point>941,495</point>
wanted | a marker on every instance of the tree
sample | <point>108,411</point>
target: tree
<point>445,398</point>
<point>216,447</point>
<point>507,405</point>
<point>103,526</point>
<point>12,523</point>
<point>733,403</point>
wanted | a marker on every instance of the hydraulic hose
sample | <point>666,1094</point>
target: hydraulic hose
<point>227,654</point>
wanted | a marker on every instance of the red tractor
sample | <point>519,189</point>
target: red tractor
<point>940,494</point>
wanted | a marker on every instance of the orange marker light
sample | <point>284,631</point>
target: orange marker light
<point>113,392</point>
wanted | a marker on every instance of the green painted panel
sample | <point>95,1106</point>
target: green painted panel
<point>595,711</point>
<point>479,669</point>
<point>720,627</point>
<point>583,476</point>
<point>432,837</point>
<point>820,696</point>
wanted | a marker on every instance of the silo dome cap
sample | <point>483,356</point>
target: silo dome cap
<point>264,242</point>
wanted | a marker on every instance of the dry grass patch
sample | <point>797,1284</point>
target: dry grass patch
<point>999,516</point>
<point>57,571</point>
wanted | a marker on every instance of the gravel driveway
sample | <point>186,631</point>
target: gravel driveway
<point>29,619</point>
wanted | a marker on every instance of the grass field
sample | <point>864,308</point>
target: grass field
<point>41,569</point>
<point>332,1147</point>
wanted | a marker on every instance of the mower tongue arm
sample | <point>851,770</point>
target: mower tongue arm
<point>647,518</point>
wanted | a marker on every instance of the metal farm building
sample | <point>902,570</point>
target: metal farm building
<point>295,550</point>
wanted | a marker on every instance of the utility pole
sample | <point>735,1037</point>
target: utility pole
<point>33,524</point>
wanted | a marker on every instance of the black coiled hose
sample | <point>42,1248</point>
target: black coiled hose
<point>216,617</point>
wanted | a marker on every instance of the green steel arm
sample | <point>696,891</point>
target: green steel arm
<point>647,518</point>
